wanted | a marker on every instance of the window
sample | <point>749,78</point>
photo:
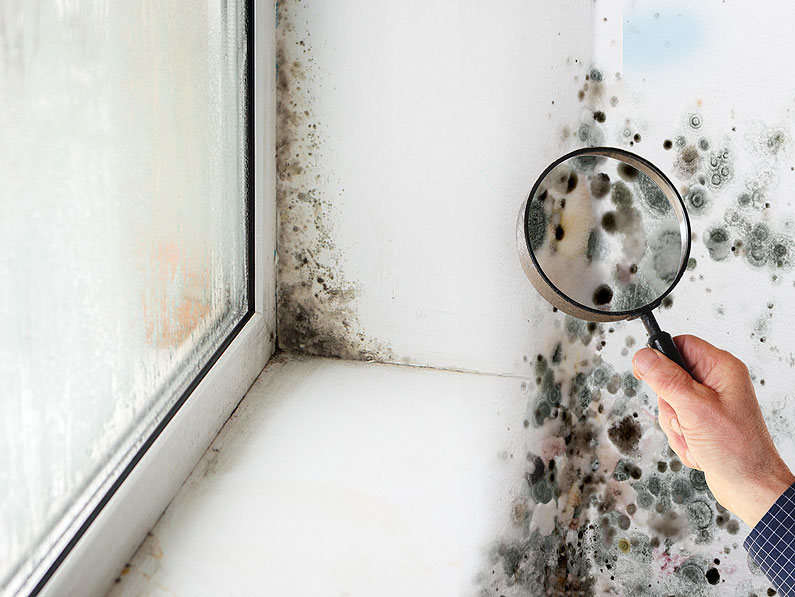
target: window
<point>127,217</point>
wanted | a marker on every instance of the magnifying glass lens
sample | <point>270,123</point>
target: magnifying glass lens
<point>604,234</point>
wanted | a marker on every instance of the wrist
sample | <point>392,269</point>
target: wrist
<point>762,492</point>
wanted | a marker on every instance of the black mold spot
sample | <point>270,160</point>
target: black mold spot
<point>559,232</point>
<point>713,576</point>
<point>599,116</point>
<point>600,185</point>
<point>627,172</point>
<point>602,295</point>
<point>609,221</point>
<point>667,144</point>
<point>572,183</point>
<point>625,434</point>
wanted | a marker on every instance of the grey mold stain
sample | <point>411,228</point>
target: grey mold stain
<point>317,305</point>
<point>620,525</point>
<point>616,527</point>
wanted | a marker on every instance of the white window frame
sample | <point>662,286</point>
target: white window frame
<point>87,560</point>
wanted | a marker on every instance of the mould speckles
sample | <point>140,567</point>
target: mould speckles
<point>694,121</point>
<point>631,520</point>
<point>758,243</point>
<point>697,199</point>
<point>316,310</point>
<point>720,169</point>
<point>590,134</point>
<point>775,141</point>
<point>701,516</point>
<point>781,252</point>
<point>698,480</point>
<point>681,490</point>
<point>625,434</point>
<point>692,572</point>
<point>596,74</point>
<point>718,243</point>
<point>687,162</point>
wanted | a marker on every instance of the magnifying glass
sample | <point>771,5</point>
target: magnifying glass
<point>604,236</point>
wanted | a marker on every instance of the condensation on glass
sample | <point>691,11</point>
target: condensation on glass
<point>604,233</point>
<point>123,227</point>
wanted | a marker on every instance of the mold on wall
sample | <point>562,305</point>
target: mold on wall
<point>403,130</point>
<point>605,506</point>
<point>409,136</point>
<point>316,302</point>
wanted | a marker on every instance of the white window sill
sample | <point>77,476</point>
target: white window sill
<point>343,478</point>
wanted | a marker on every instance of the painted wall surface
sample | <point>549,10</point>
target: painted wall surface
<point>409,135</point>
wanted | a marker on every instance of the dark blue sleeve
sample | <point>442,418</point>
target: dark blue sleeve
<point>771,543</point>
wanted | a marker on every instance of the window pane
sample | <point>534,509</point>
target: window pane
<point>122,219</point>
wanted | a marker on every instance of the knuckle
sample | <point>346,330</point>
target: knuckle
<point>734,364</point>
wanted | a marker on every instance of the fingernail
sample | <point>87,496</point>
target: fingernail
<point>692,460</point>
<point>644,359</point>
<point>675,426</point>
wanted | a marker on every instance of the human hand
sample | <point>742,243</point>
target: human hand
<point>714,424</point>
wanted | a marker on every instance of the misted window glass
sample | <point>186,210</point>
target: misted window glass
<point>123,233</point>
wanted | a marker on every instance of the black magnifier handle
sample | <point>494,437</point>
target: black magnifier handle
<point>662,341</point>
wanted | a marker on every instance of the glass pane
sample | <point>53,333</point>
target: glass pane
<point>123,227</point>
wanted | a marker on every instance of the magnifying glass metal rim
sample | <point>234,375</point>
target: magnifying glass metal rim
<point>557,297</point>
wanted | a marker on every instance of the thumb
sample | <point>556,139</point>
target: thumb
<point>667,379</point>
